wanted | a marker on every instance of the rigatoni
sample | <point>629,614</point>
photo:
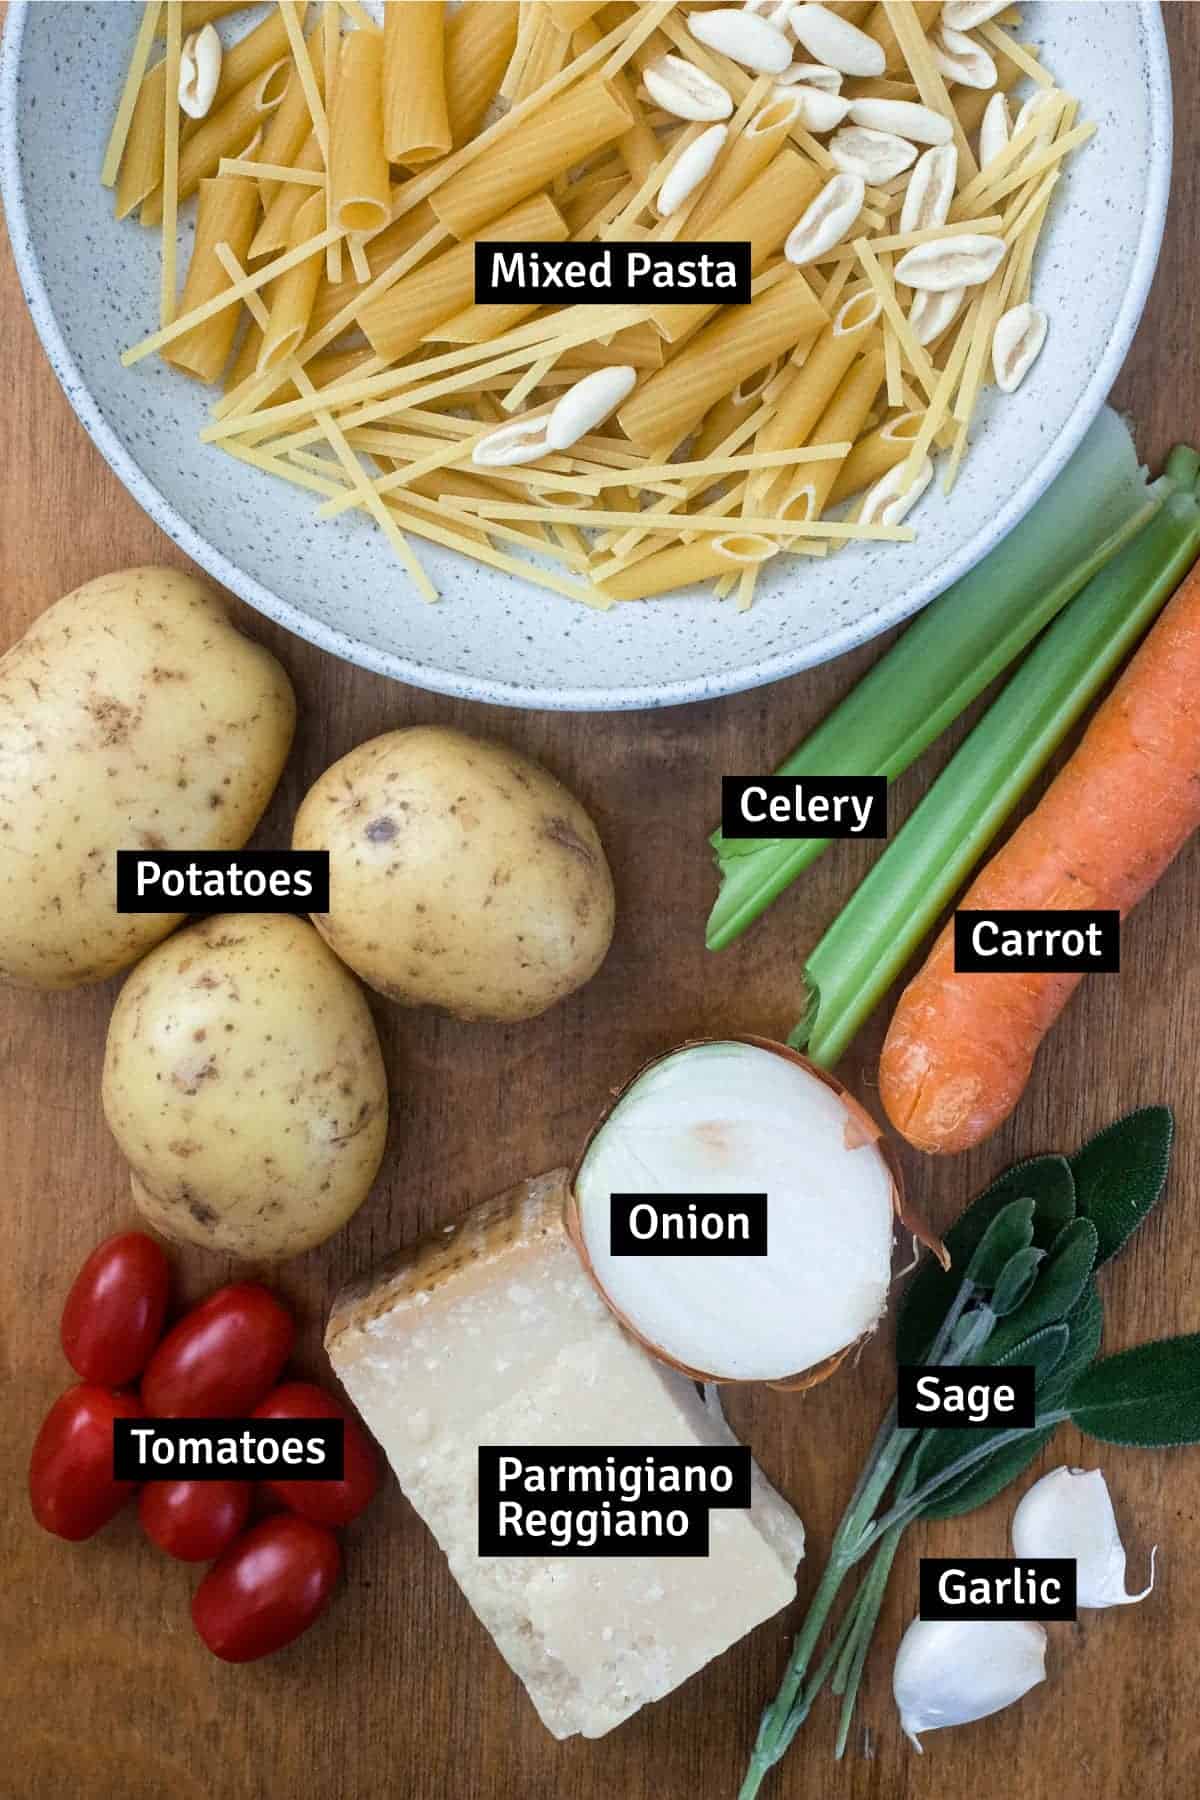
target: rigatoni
<point>359,183</point>
<point>480,38</point>
<point>549,142</point>
<point>664,408</point>
<point>396,322</point>
<point>290,299</point>
<point>416,122</point>
<point>226,213</point>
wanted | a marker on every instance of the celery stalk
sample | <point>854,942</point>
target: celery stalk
<point>956,647</point>
<point>928,860</point>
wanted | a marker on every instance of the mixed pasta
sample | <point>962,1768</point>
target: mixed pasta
<point>891,194</point>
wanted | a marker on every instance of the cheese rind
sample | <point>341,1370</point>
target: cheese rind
<point>492,1333</point>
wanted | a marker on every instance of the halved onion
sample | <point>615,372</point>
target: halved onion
<point>746,1115</point>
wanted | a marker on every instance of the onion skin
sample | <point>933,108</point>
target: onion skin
<point>859,1116</point>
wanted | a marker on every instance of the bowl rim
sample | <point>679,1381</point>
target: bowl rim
<point>746,676</point>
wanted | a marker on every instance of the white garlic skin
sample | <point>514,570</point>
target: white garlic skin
<point>953,1671</point>
<point>1070,1513</point>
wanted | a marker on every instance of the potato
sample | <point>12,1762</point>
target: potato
<point>244,1083</point>
<point>133,716</point>
<point>462,875</point>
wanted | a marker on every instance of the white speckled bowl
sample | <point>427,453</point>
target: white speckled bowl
<point>91,285</point>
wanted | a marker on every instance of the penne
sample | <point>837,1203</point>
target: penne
<point>764,137</point>
<point>140,171</point>
<point>874,455</point>
<point>226,212</point>
<point>223,133</point>
<point>664,408</point>
<point>684,564</point>
<point>276,228</point>
<point>762,216</point>
<point>289,129</point>
<point>811,387</point>
<point>359,184</point>
<point>544,145</point>
<point>841,422</point>
<point>416,120</point>
<point>480,38</point>
<point>290,298</point>
<point>396,322</point>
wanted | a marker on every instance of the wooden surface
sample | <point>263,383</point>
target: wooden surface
<point>105,1690</point>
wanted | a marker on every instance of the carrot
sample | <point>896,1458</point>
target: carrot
<point>960,1047</point>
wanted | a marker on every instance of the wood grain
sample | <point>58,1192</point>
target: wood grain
<point>104,1689</point>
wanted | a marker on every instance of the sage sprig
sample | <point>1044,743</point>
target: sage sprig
<point>1021,1290</point>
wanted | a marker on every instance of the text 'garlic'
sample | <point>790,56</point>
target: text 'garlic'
<point>744,1116</point>
<point>836,42</point>
<point>1070,1513</point>
<point>875,155</point>
<point>1016,345</point>
<point>827,221</point>
<point>744,38</point>
<point>588,404</point>
<point>965,260</point>
<point>685,91</point>
<point>954,1671</point>
<point>690,170</point>
<point>199,71</point>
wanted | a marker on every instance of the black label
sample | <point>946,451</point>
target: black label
<point>624,1500</point>
<point>1037,943</point>
<point>998,1587</point>
<point>227,1449</point>
<point>688,1225</point>
<point>966,1399</point>
<point>214,881</point>
<point>790,806</point>
<point>622,273</point>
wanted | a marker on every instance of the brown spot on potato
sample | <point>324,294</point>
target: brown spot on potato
<point>184,1147</point>
<point>560,831</point>
<point>380,831</point>
<point>112,717</point>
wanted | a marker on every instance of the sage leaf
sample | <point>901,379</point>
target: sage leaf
<point>938,1447</point>
<point>980,1485</point>
<point>1046,1180</point>
<point>1061,1280</point>
<point>1085,1322</point>
<point>1148,1396</point>
<point>1010,1231</point>
<point>1016,1279</point>
<point>1120,1174</point>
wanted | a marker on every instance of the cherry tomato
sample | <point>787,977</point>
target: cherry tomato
<point>194,1520</point>
<point>274,1582</point>
<point>71,1486</point>
<point>325,1502</point>
<point>115,1310</point>
<point>222,1358</point>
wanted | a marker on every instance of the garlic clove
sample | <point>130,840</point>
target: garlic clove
<point>961,59</point>
<point>931,312</point>
<point>832,40</point>
<point>827,221</point>
<point>954,1671</point>
<point>930,191</point>
<point>875,155</point>
<point>587,404</point>
<point>904,119</point>
<point>1070,1513</point>
<point>889,502</point>
<point>1016,344</point>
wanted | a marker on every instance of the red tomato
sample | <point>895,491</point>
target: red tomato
<point>71,1486</point>
<point>325,1502</point>
<point>115,1310</point>
<point>194,1520</point>
<point>222,1358</point>
<point>271,1586</point>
